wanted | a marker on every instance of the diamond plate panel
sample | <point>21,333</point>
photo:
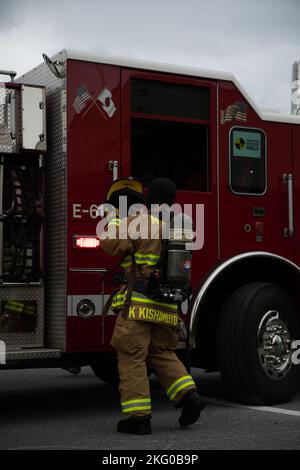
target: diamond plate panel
<point>9,120</point>
<point>56,203</point>
<point>18,340</point>
<point>33,103</point>
<point>32,354</point>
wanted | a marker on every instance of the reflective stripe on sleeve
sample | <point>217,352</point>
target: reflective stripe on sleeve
<point>126,262</point>
<point>143,255</point>
<point>148,259</point>
<point>114,222</point>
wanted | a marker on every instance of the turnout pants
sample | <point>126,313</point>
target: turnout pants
<point>139,343</point>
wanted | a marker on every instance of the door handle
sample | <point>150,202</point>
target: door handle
<point>290,204</point>
<point>113,165</point>
<point>1,213</point>
<point>288,178</point>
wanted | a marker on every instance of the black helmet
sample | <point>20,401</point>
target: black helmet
<point>161,191</point>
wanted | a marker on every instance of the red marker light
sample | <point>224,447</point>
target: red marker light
<point>259,227</point>
<point>80,241</point>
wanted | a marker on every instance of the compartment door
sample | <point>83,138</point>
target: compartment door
<point>169,130</point>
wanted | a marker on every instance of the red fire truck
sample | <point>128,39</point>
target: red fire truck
<point>72,125</point>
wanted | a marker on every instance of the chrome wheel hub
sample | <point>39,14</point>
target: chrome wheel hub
<point>274,345</point>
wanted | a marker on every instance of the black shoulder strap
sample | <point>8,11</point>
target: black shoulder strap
<point>129,288</point>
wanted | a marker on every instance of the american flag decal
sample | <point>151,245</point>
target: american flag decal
<point>83,96</point>
<point>234,112</point>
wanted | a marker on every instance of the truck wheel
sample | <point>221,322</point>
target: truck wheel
<point>257,326</point>
<point>107,372</point>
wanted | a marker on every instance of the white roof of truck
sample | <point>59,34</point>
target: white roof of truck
<point>183,70</point>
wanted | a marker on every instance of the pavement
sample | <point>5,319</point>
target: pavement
<point>52,409</point>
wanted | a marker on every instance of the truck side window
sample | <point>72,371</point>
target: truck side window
<point>170,149</point>
<point>169,99</point>
<point>170,134</point>
<point>247,161</point>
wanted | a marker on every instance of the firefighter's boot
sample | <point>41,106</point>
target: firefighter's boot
<point>192,405</point>
<point>135,425</point>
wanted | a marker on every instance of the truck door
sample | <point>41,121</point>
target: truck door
<point>296,181</point>
<point>255,164</point>
<point>93,158</point>
<point>168,129</point>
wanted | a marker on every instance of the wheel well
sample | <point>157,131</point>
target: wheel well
<point>233,276</point>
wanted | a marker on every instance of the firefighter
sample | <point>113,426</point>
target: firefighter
<point>146,330</point>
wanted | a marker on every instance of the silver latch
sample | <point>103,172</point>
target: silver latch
<point>113,165</point>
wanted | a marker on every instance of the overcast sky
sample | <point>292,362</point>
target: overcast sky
<point>257,40</point>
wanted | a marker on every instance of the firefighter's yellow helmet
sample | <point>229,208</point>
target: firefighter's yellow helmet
<point>130,187</point>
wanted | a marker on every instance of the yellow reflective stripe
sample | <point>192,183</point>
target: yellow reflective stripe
<point>145,255</point>
<point>138,404</point>
<point>118,298</point>
<point>14,309</point>
<point>114,222</point>
<point>14,306</point>
<point>30,312</point>
<point>178,381</point>
<point>145,261</point>
<point>118,301</point>
<point>137,408</point>
<point>137,400</point>
<point>148,259</point>
<point>187,384</point>
<point>148,301</point>
<point>117,304</point>
<point>126,261</point>
<point>136,297</point>
<point>125,265</point>
<point>154,220</point>
<point>148,263</point>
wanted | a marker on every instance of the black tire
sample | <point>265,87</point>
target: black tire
<point>107,372</point>
<point>237,344</point>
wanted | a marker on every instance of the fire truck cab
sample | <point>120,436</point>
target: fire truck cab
<point>72,125</point>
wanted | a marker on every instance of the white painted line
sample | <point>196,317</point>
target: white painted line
<point>269,409</point>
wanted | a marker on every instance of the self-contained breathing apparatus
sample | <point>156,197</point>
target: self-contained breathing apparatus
<point>170,278</point>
